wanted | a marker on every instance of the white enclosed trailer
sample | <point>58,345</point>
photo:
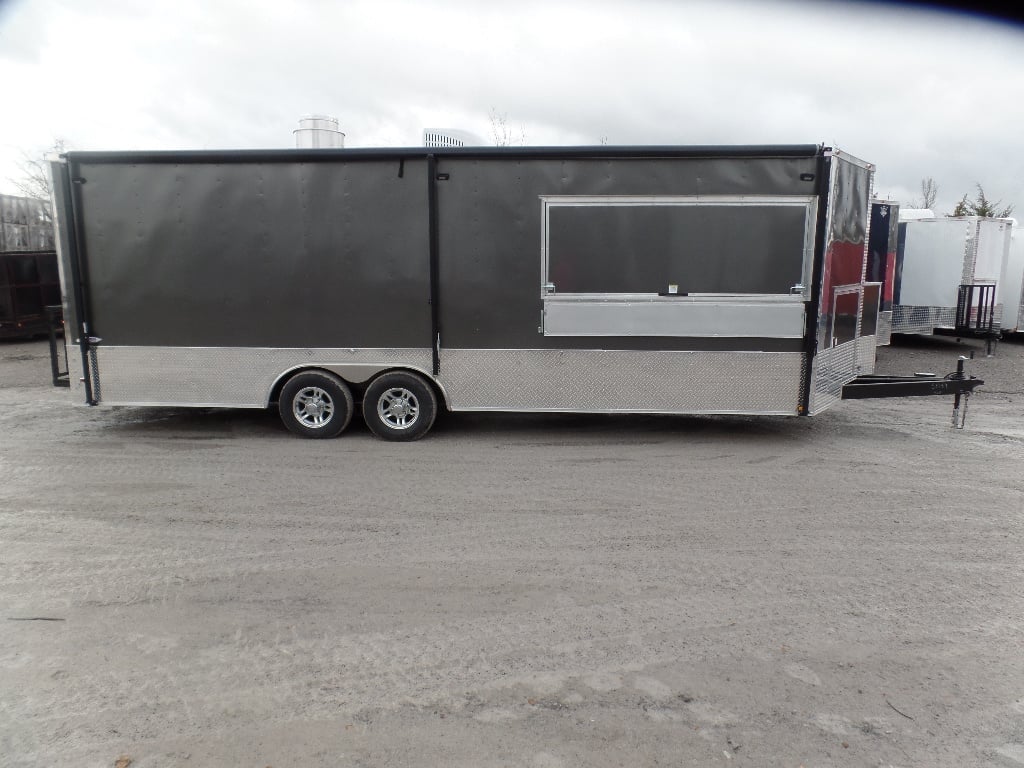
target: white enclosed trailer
<point>1011,295</point>
<point>949,271</point>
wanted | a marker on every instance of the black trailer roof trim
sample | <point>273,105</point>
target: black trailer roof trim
<point>402,153</point>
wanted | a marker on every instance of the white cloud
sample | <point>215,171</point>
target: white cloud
<point>918,94</point>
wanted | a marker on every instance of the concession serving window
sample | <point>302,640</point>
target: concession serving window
<point>676,265</point>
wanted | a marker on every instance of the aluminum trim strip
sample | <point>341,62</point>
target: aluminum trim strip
<point>692,298</point>
<point>674,317</point>
<point>679,200</point>
<point>625,411</point>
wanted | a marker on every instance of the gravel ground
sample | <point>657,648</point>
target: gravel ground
<point>200,588</point>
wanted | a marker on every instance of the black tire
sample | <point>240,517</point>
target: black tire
<point>316,404</point>
<point>399,406</point>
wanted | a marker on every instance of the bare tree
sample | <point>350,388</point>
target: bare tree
<point>502,133</point>
<point>35,180</point>
<point>929,193</point>
<point>981,206</point>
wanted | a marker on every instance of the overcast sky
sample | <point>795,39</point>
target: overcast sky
<point>916,92</point>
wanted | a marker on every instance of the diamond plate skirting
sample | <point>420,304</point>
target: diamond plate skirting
<point>766,383</point>
<point>836,367</point>
<point>884,335</point>
<point>924,320</point>
<point>911,319</point>
<point>94,368</point>
<point>238,377</point>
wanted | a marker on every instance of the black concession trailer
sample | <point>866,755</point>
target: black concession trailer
<point>685,280</point>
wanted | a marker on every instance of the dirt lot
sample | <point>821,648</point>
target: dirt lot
<point>187,588</point>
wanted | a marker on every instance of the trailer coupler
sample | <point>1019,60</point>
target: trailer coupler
<point>957,384</point>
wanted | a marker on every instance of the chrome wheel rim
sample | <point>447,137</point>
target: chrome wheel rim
<point>313,407</point>
<point>398,408</point>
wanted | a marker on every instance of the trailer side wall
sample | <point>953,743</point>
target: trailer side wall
<point>842,352</point>
<point>208,280</point>
<point>623,231</point>
<point>257,255</point>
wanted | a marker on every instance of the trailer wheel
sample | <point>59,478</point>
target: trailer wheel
<point>316,404</point>
<point>399,406</point>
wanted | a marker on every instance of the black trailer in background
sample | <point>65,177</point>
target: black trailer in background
<point>29,280</point>
<point>29,283</point>
<point>588,279</point>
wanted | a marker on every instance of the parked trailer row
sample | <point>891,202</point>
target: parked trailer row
<point>957,275</point>
<point>686,280</point>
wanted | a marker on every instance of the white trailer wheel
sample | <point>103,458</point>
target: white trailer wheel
<point>399,406</point>
<point>316,404</point>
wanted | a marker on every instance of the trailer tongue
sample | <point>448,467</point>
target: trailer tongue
<point>957,384</point>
